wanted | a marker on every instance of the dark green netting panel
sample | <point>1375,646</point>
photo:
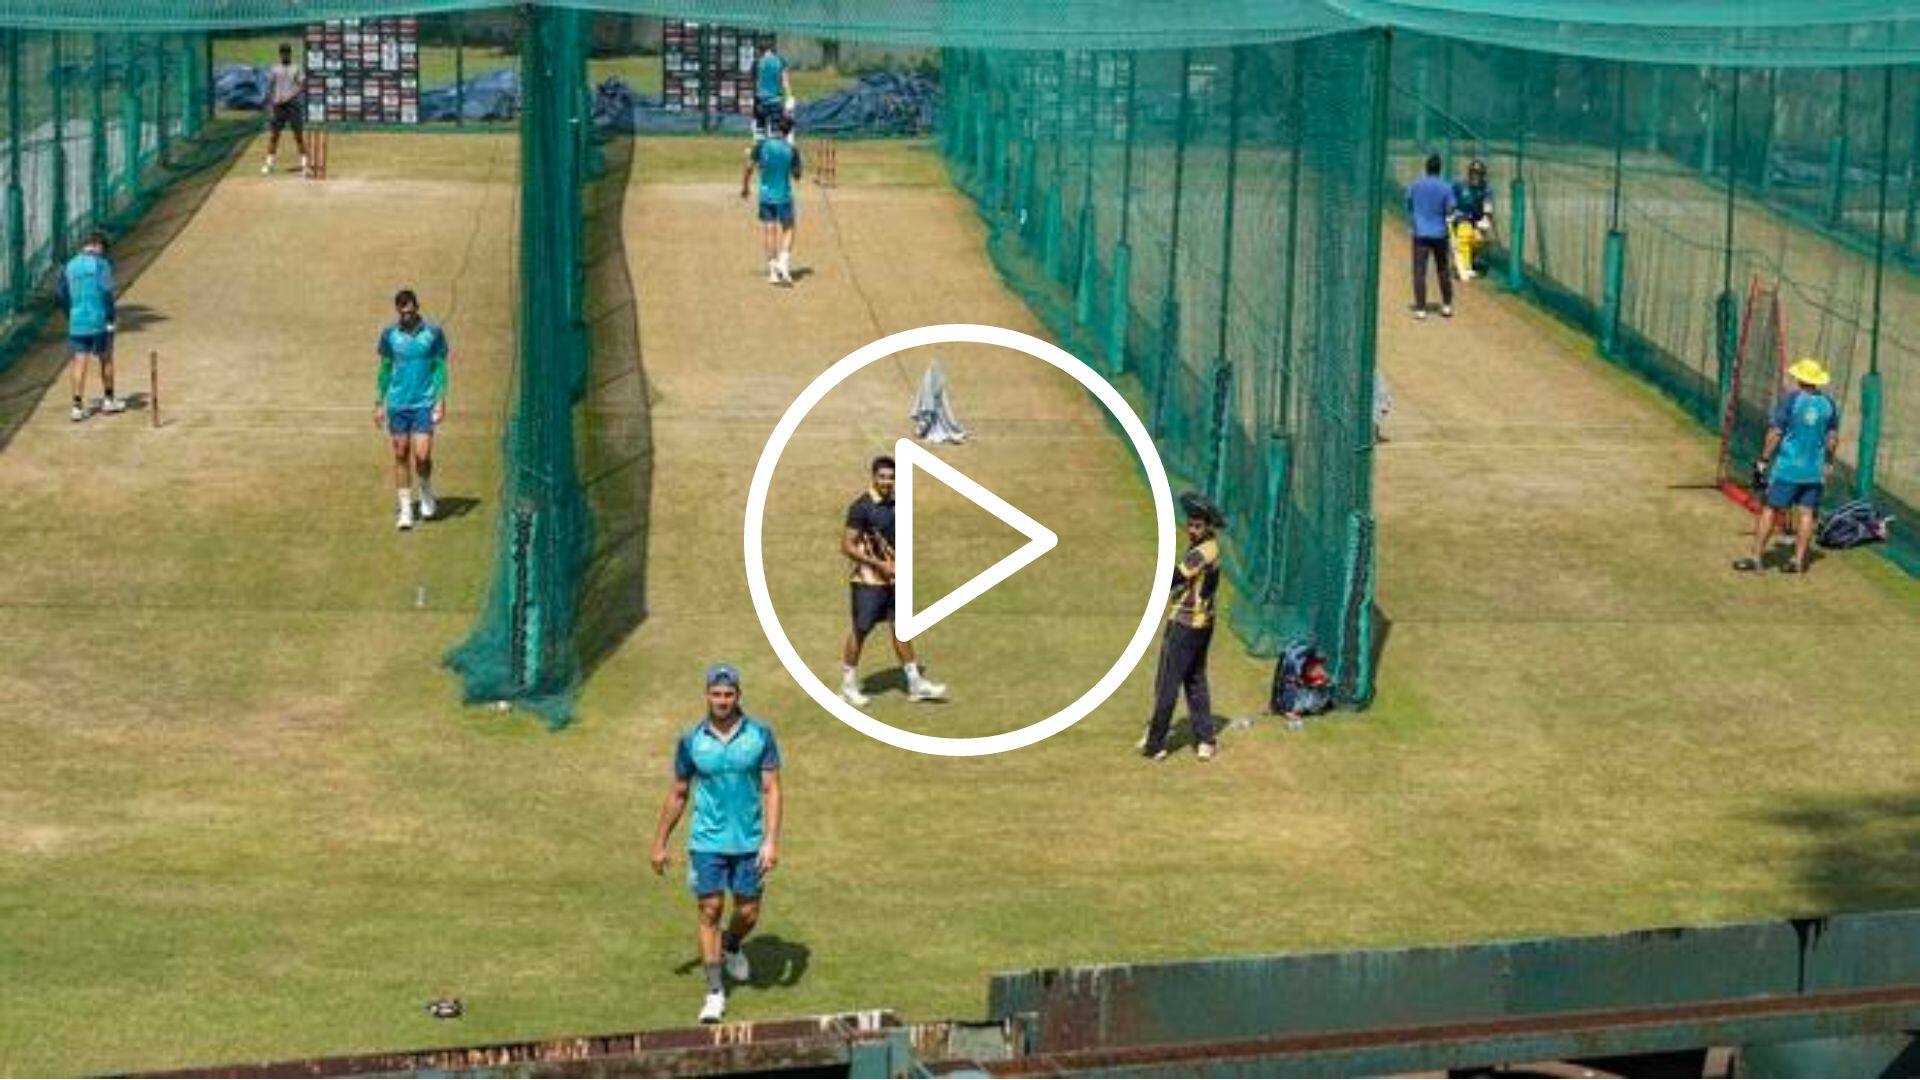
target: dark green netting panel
<point>524,649</point>
<point>87,119</point>
<point>93,127</point>
<point>1655,198</point>
<point>1201,222</point>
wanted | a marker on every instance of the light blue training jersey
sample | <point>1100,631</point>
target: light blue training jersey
<point>727,816</point>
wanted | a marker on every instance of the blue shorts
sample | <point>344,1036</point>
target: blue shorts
<point>710,873</point>
<point>410,421</point>
<point>1784,493</point>
<point>98,343</point>
<point>780,212</point>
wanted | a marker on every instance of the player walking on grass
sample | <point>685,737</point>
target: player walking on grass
<point>730,763</point>
<point>410,401</point>
<point>867,540</point>
<point>1183,650</point>
<point>85,288</point>
<point>779,163</point>
<point>286,91</point>
<point>1430,205</point>
<point>1796,459</point>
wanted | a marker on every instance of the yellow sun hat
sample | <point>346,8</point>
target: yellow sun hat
<point>1809,371</point>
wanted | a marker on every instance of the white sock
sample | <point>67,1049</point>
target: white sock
<point>426,489</point>
<point>269,161</point>
<point>303,161</point>
<point>849,676</point>
<point>406,500</point>
<point>913,672</point>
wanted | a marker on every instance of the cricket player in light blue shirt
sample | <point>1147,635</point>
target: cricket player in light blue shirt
<point>729,765</point>
<point>778,160</point>
<point>85,290</point>
<point>410,401</point>
<point>1802,434</point>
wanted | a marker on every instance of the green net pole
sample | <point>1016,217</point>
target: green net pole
<point>56,79</point>
<point>1170,304</point>
<point>459,67</point>
<point>1119,306</point>
<point>130,119</point>
<point>1051,207</point>
<point>1089,250</point>
<point>1355,663</point>
<point>1912,236</point>
<point>1868,454</point>
<point>1707,155</point>
<point>1657,75</point>
<point>1837,154</point>
<point>1446,106</point>
<point>1517,200</point>
<point>1727,306</point>
<point>207,102</point>
<point>1766,133</point>
<point>1615,258</point>
<point>1222,367</point>
<point>97,133</point>
<point>162,137</point>
<point>1277,410</point>
<point>16,195</point>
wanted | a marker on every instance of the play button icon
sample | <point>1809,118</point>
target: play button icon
<point>909,457</point>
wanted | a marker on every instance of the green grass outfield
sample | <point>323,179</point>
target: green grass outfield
<point>241,817</point>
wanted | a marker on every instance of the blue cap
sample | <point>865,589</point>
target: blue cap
<point>723,672</point>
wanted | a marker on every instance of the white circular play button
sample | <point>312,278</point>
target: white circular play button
<point>1040,540</point>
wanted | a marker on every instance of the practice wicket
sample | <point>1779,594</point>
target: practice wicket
<point>317,154</point>
<point>826,170</point>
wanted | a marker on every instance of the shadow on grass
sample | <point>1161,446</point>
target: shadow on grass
<point>616,448</point>
<point>775,962</point>
<point>32,356</point>
<point>448,507</point>
<point>1864,852</point>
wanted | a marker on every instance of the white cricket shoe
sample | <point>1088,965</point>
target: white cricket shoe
<point>851,695</point>
<point>77,413</point>
<point>1205,753</point>
<point>927,690</point>
<point>405,520</point>
<point>267,168</point>
<point>773,272</point>
<point>1446,311</point>
<point>737,967</point>
<point>715,1008</point>
<point>113,405</point>
<point>428,507</point>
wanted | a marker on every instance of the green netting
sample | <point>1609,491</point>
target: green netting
<point>1189,195</point>
<point>524,649</point>
<point>94,125</point>
<point>1201,221</point>
<point>1707,179</point>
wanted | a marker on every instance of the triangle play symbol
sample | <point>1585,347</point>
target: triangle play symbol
<point>909,456</point>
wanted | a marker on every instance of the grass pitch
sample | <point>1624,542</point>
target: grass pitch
<point>242,817</point>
